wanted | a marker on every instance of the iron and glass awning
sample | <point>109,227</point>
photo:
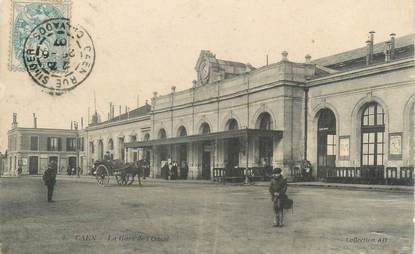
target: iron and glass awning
<point>206,137</point>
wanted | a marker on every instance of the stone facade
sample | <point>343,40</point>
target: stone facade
<point>351,109</point>
<point>31,149</point>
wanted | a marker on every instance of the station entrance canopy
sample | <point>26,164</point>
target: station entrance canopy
<point>206,137</point>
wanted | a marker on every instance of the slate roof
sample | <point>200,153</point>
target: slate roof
<point>400,42</point>
<point>141,111</point>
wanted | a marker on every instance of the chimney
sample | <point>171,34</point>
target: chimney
<point>82,123</point>
<point>284,56</point>
<point>71,125</point>
<point>392,47</point>
<point>110,112</point>
<point>34,121</point>
<point>307,59</point>
<point>369,44</point>
<point>173,89</point>
<point>154,94</point>
<point>14,123</point>
<point>194,82</point>
<point>75,125</point>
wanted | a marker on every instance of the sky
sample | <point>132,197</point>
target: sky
<point>146,46</point>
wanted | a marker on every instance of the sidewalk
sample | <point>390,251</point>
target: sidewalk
<point>393,188</point>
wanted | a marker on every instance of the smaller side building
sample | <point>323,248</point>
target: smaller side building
<point>31,149</point>
<point>3,163</point>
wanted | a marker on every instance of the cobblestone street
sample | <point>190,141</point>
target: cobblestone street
<point>198,218</point>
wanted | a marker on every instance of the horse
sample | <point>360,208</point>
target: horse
<point>138,168</point>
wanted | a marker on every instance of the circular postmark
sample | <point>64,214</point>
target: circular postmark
<point>58,56</point>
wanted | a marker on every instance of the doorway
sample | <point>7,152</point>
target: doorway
<point>33,165</point>
<point>72,163</point>
<point>206,165</point>
<point>182,153</point>
<point>233,148</point>
<point>326,141</point>
<point>54,159</point>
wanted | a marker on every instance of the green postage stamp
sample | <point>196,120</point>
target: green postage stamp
<point>26,15</point>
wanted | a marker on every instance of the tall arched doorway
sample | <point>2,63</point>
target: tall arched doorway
<point>372,139</point>
<point>326,141</point>
<point>121,148</point>
<point>163,151</point>
<point>182,151</point>
<point>111,147</point>
<point>100,149</point>
<point>206,149</point>
<point>232,145</point>
<point>146,151</point>
<point>264,122</point>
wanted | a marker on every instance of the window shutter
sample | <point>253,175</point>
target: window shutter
<point>59,144</point>
<point>48,144</point>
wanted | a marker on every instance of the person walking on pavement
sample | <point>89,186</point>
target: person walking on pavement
<point>277,190</point>
<point>49,178</point>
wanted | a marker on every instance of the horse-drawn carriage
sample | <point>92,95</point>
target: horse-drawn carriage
<point>124,173</point>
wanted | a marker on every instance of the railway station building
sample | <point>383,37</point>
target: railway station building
<point>353,110</point>
<point>350,110</point>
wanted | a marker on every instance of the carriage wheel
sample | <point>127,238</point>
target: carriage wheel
<point>102,175</point>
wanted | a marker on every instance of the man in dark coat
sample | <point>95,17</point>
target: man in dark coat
<point>49,178</point>
<point>277,190</point>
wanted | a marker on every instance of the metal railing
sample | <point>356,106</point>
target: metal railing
<point>369,175</point>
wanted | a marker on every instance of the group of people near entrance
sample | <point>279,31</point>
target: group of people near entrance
<point>277,188</point>
<point>170,170</point>
<point>72,171</point>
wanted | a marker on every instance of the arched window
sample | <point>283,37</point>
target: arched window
<point>372,129</point>
<point>232,124</point>
<point>264,121</point>
<point>181,132</point>
<point>110,144</point>
<point>146,137</point>
<point>133,138</point>
<point>162,134</point>
<point>204,128</point>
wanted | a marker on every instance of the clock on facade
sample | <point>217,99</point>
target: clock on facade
<point>204,72</point>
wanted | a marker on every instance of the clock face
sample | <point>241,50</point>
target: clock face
<point>204,72</point>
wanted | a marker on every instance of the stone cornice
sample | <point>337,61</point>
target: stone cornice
<point>240,93</point>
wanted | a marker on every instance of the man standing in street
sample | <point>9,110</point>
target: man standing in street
<point>277,190</point>
<point>49,178</point>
